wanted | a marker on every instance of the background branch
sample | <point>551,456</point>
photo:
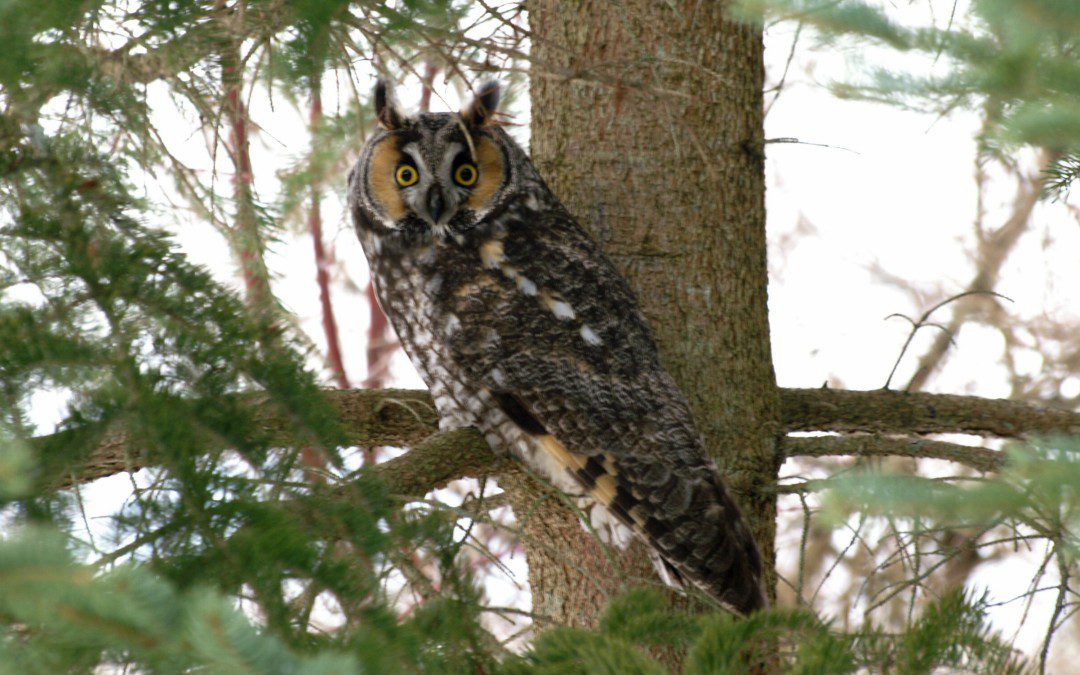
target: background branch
<point>873,445</point>
<point>893,412</point>
<point>994,249</point>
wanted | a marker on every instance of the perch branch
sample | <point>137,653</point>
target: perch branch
<point>369,417</point>
<point>405,418</point>
<point>435,461</point>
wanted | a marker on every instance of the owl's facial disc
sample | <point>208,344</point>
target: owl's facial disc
<point>439,181</point>
<point>435,172</point>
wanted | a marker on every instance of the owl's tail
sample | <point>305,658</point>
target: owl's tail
<point>714,552</point>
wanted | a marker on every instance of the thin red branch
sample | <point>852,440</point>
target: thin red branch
<point>379,345</point>
<point>322,260</point>
<point>426,82</point>
<point>246,240</point>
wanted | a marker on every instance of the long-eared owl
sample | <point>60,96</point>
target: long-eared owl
<point>523,329</point>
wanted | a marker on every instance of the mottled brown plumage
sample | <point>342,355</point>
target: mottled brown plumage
<point>522,328</point>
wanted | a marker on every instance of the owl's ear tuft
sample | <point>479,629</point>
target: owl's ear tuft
<point>481,110</point>
<point>387,110</point>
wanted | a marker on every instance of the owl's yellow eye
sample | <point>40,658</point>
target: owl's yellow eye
<point>466,175</point>
<point>406,175</point>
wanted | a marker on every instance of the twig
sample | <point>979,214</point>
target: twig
<point>924,321</point>
<point>795,141</point>
<point>322,260</point>
<point>1059,604</point>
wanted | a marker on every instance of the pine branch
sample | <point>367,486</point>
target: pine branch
<point>132,63</point>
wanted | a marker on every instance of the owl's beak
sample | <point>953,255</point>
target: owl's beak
<point>436,205</point>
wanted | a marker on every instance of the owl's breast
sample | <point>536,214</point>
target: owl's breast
<point>412,290</point>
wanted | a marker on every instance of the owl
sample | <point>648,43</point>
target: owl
<point>522,328</point>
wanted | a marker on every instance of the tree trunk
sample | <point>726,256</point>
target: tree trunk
<point>647,123</point>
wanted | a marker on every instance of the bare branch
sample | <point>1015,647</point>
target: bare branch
<point>924,320</point>
<point>436,461</point>
<point>895,412</point>
<point>994,250</point>
<point>873,445</point>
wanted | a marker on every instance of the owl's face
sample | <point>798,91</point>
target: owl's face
<point>434,174</point>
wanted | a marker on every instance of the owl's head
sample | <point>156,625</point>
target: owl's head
<point>433,173</point>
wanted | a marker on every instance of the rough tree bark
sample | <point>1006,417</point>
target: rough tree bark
<point>663,163</point>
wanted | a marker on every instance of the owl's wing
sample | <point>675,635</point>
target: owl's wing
<point>641,459</point>
<point>553,332</point>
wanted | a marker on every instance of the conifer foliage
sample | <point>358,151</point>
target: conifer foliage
<point>218,559</point>
<point>1014,59</point>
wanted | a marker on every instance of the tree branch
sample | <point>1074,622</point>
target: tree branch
<point>437,460</point>
<point>894,412</point>
<point>369,417</point>
<point>246,238</point>
<point>322,257</point>
<point>994,250</point>
<point>407,418</point>
<point>873,445</point>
